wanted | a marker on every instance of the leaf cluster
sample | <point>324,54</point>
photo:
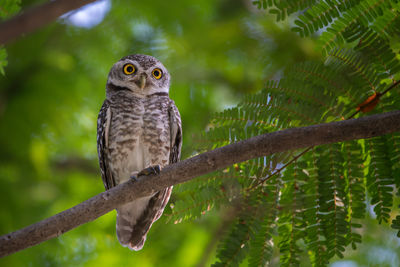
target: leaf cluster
<point>7,9</point>
<point>311,202</point>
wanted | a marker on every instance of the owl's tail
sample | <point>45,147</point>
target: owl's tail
<point>135,218</point>
<point>130,218</point>
<point>125,229</point>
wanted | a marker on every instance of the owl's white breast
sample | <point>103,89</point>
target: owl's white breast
<point>127,153</point>
<point>139,136</point>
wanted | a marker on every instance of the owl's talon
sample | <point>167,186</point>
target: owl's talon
<point>157,169</point>
<point>150,170</point>
<point>134,176</point>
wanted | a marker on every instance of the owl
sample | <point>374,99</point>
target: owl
<point>138,132</point>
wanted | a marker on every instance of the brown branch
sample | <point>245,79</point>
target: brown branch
<point>188,169</point>
<point>36,17</point>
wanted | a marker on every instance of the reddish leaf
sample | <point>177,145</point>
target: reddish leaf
<point>370,103</point>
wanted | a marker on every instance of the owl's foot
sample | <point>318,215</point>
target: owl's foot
<point>134,176</point>
<point>150,170</point>
<point>145,172</point>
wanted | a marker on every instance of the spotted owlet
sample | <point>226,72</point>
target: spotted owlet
<point>138,128</point>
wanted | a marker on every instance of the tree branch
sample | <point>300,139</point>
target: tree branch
<point>188,169</point>
<point>37,17</point>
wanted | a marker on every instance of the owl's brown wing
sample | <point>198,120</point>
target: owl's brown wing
<point>176,133</point>
<point>158,202</point>
<point>103,126</point>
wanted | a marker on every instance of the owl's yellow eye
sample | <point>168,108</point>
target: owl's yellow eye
<point>157,73</point>
<point>129,69</point>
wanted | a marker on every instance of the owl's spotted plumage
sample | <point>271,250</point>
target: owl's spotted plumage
<point>138,126</point>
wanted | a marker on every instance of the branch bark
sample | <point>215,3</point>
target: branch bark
<point>36,17</point>
<point>188,169</point>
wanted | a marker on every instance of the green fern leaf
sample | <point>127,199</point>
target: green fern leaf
<point>9,8</point>
<point>261,242</point>
<point>396,225</point>
<point>314,236</point>
<point>380,178</point>
<point>332,199</point>
<point>233,250</point>
<point>3,60</point>
<point>290,223</point>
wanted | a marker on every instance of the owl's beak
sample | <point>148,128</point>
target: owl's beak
<point>142,82</point>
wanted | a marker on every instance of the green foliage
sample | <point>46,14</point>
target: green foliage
<point>49,99</point>
<point>323,192</point>
<point>199,197</point>
<point>7,9</point>
<point>309,213</point>
<point>340,21</point>
<point>3,60</point>
<point>289,217</point>
<point>250,232</point>
<point>396,224</point>
<point>380,180</point>
<point>260,244</point>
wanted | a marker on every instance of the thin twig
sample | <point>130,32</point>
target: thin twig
<point>279,170</point>
<point>391,87</point>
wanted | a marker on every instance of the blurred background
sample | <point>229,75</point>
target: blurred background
<point>54,85</point>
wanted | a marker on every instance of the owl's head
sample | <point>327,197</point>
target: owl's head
<point>141,74</point>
